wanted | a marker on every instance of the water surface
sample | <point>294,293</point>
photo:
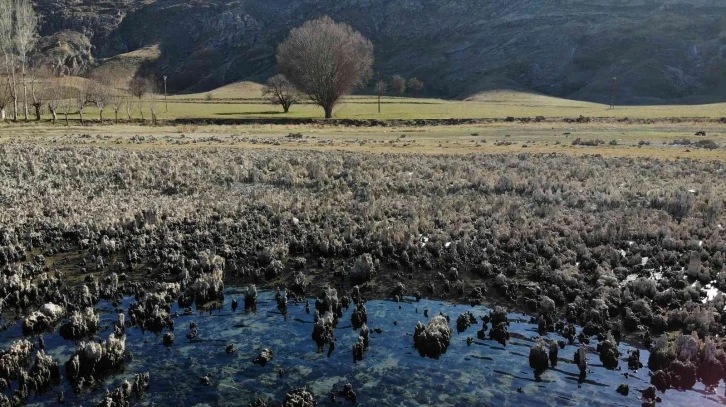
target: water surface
<point>391,374</point>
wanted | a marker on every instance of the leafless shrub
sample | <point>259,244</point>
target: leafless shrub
<point>680,204</point>
<point>281,92</point>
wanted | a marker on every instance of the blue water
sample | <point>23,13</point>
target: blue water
<point>391,374</point>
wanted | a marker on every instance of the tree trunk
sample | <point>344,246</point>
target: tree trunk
<point>37,111</point>
<point>67,124</point>
<point>286,108</point>
<point>100,116</point>
<point>25,97</point>
<point>81,114</point>
<point>55,115</point>
<point>328,112</point>
<point>15,107</point>
<point>2,114</point>
<point>116,113</point>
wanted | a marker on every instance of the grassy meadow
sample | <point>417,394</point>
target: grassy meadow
<point>244,100</point>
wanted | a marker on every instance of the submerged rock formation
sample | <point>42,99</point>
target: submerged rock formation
<point>300,397</point>
<point>432,340</point>
<point>538,358</point>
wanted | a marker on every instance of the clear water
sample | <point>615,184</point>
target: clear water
<point>392,373</point>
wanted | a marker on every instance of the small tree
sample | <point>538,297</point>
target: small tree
<point>117,101</point>
<point>415,85</point>
<point>326,60</point>
<point>130,105</point>
<point>54,94</point>
<point>99,94</point>
<point>380,88</point>
<point>67,101</point>
<point>281,92</point>
<point>398,85</point>
<point>81,99</point>
<point>153,93</point>
<point>116,83</point>
<point>37,83</point>
<point>138,87</point>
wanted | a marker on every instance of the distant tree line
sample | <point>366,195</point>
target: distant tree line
<point>28,87</point>
<point>322,60</point>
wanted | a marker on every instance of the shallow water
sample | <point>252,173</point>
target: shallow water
<point>392,373</point>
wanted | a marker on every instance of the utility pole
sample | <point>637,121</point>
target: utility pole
<point>612,93</point>
<point>166,104</point>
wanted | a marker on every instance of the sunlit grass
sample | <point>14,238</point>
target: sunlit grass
<point>244,100</point>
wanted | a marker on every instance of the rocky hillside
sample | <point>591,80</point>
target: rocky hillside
<point>659,50</point>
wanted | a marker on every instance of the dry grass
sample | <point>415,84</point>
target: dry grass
<point>243,100</point>
<point>126,65</point>
<point>490,138</point>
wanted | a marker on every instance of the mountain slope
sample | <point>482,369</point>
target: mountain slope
<point>659,50</point>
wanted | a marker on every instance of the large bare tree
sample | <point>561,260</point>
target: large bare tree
<point>326,60</point>
<point>7,48</point>
<point>26,30</point>
<point>281,92</point>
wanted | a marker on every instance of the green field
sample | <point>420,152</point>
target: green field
<point>643,138</point>
<point>244,101</point>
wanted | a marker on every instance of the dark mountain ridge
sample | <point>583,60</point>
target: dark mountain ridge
<point>661,51</point>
